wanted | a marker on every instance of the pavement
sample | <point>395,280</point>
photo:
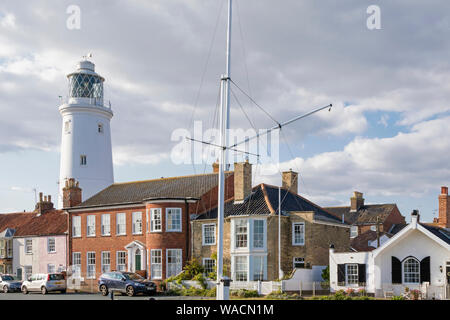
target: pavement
<point>85,296</point>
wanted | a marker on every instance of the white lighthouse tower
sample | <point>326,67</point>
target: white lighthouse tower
<point>86,153</point>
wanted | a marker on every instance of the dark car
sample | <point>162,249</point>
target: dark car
<point>125,282</point>
<point>9,284</point>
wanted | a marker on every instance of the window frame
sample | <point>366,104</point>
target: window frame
<point>180,251</point>
<point>247,231</point>
<point>153,219</point>
<point>102,224</point>
<point>263,265</point>
<point>352,233</point>
<point>74,226</point>
<point>105,264</point>
<point>294,243</point>
<point>156,264</point>
<point>76,266</point>
<point>48,268</point>
<point>235,269</point>
<point>28,252</point>
<point>133,223</point>
<point>263,234</point>
<point>88,276</point>
<point>204,262</point>
<point>204,243</point>
<point>88,226</point>
<point>124,258</point>
<point>180,211</point>
<point>294,262</point>
<point>48,244</point>
<point>124,223</point>
<point>347,274</point>
<point>404,273</point>
<point>83,160</point>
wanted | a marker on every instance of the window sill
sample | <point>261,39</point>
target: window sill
<point>121,235</point>
<point>155,231</point>
<point>137,234</point>
<point>106,235</point>
<point>53,252</point>
<point>208,244</point>
<point>174,231</point>
<point>76,236</point>
<point>298,245</point>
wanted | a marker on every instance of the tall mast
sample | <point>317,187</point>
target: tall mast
<point>223,161</point>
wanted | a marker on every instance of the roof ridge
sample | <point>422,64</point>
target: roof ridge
<point>167,178</point>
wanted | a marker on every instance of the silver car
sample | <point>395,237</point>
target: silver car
<point>9,284</point>
<point>45,282</point>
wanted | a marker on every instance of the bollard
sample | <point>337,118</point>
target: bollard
<point>111,294</point>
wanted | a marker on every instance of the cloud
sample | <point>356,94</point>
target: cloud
<point>412,163</point>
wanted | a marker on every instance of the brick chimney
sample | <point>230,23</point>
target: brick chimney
<point>290,180</point>
<point>45,204</point>
<point>357,201</point>
<point>71,193</point>
<point>242,180</point>
<point>444,208</point>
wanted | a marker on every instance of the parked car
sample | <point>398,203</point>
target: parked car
<point>44,282</point>
<point>125,282</point>
<point>9,284</point>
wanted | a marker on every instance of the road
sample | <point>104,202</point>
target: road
<point>84,296</point>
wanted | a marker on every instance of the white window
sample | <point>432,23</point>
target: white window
<point>173,219</point>
<point>240,268</point>
<point>209,265</point>
<point>174,262</point>
<point>121,260</point>
<point>351,274</point>
<point>411,271</point>
<point>156,263</point>
<point>51,268</point>
<point>100,128</point>
<point>76,226</point>
<point>90,230</point>
<point>353,231</point>
<point>155,220</point>
<point>76,264</point>
<point>83,160</point>
<point>2,249</point>
<point>137,222</point>
<point>258,233</point>
<point>90,265</point>
<point>121,228</point>
<point>106,224</point>
<point>298,234</point>
<point>258,268</point>
<point>373,228</point>
<point>299,262</point>
<point>209,234</point>
<point>28,246</point>
<point>241,233</point>
<point>9,248</point>
<point>106,261</point>
<point>51,245</point>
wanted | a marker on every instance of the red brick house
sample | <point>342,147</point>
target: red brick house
<point>140,226</point>
<point>364,220</point>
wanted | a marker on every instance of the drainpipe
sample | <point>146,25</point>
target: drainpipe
<point>187,229</point>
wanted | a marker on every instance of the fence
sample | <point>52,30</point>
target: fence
<point>423,291</point>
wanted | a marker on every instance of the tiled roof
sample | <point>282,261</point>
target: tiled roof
<point>441,233</point>
<point>53,222</point>
<point>193,186</point>
<point>365,215</point>
<point>361,242</point>
<point>264,199</point>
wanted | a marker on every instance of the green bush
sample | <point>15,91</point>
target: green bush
<point>244,293</point>
<point>278,295</point>
<point>398,298</point>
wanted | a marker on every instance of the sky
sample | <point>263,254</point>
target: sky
<point>386,136</point>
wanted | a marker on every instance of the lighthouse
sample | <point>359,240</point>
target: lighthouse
<point>86,153</point>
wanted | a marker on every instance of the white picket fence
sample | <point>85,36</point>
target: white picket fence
<point>263,287</point>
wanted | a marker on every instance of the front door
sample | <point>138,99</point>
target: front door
<point>19,273</point>
<point>137,260</point>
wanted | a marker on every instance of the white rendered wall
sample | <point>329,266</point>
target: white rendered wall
<point>83,138</point>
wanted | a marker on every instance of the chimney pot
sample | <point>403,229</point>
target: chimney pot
<point>215,166</point>
<point>444,190</point>
<point>40,196</point>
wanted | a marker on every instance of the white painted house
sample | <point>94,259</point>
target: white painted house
<point>417,257</point>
